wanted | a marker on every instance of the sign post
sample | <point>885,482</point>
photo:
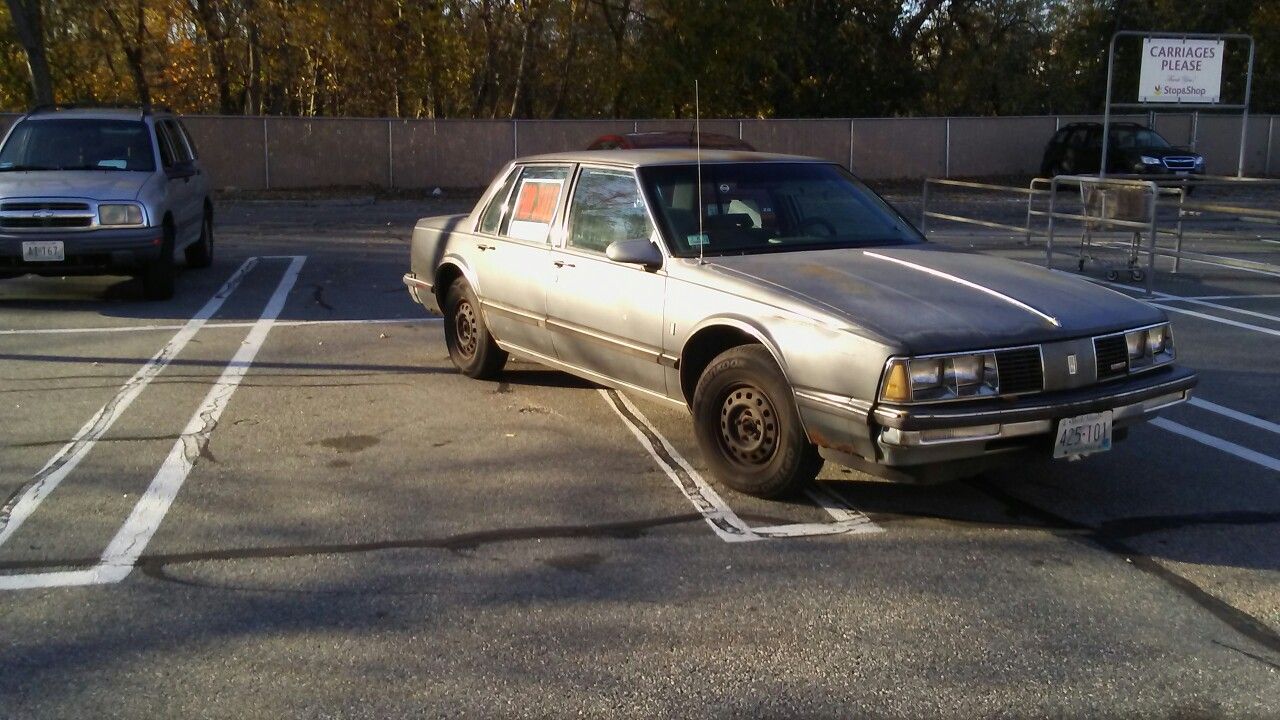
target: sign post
<point>1178,69</point>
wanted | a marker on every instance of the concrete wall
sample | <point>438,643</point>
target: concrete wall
<point>284,152</point>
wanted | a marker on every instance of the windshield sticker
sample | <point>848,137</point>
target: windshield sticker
<point>117,164</point>
<point>698,240</point>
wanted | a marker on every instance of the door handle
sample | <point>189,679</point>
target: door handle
<point>482,247</point>
<point>563,264</point>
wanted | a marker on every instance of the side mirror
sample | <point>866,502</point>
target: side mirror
<point>635,252</point>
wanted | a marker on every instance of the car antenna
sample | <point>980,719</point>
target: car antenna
<point>697,142</point>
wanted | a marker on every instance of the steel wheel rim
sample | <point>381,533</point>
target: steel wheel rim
<point>748,430</point>
<point>465,329</point>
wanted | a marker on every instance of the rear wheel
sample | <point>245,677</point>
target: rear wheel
<point>471,346</point>
<point>200,254</point>
<point>748,428</point>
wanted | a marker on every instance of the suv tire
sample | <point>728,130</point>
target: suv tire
<point>158,276</point>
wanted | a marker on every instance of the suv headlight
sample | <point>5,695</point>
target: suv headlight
<point>1149,347</point>
<point>112,214</point>
<point>940,377</point>
<point>1148,160</point>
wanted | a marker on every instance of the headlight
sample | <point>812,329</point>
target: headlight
<point>119,214</point>
<point>1199,161</point>
<point>1150,346</point>
<point>1148,160</point>
<point>941,377</point>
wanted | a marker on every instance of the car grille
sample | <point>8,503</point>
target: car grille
<point>45,215</point>
<point>30,206</point>
<point>1020,370</point>
<point>30,223</point>
<point>1180,163</point>
<point>1112,355</point>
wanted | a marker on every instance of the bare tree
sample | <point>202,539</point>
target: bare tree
<point>28,21</point>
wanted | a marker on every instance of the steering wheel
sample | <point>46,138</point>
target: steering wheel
<point>816,223</point>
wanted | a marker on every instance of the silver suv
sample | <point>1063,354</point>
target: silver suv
<point>103,192</point>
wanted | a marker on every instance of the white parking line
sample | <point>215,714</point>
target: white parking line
<point>20,507</point>
<point>1220,320</point>
<point>1259,296</point>
<point>723,520</point>
<point>1235,415</point>
<point>216,326</point>
<point>132,538</point>
<point>1226,446</point>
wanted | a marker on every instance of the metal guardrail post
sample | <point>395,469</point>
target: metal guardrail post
<point>1177,244</point>
<point>1031,198</point>
<point>924,209</point>
<point>266,157</point>
<point>1048,241</point>
<point>1151,243</point>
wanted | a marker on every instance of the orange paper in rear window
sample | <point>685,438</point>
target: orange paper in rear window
<point>537,201</point>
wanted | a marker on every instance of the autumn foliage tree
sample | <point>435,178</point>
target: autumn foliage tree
<point>597,58</point>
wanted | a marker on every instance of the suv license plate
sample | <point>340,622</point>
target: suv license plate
<point>1083,435</point>
<point>43,251</point>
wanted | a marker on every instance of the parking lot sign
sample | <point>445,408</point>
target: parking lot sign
<point>1180,70</point>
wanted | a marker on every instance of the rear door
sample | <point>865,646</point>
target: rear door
<point>181,193</point>
<point>513,264</point>
<point>605,316</point>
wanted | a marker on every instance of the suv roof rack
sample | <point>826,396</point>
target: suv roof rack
<point>147,109</point>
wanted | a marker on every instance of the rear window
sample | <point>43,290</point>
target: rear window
<point>78,145</point>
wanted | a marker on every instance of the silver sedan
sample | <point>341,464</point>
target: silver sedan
<point>793,312</point>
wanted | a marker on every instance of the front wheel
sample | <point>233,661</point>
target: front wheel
<point>471,346</point>
<point>748,428</point>
<point>159,275</point>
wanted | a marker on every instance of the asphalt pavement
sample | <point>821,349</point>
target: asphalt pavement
<point>274,497</point>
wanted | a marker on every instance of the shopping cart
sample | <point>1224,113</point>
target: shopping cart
<point>1103,205</point>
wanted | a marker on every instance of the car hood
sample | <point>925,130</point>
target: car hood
<point>91,184</point>
<point>930,299</point>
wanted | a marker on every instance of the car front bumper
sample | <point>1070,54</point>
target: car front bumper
<point>87,252</point>
<point>948,440</point>
<point>920,435</point>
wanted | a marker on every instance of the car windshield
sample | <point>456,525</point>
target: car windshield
<point>78,144</point>
<point>760,207</point>
<point>1137,138</point>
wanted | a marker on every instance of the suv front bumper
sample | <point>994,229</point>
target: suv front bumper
<point>87,252</point>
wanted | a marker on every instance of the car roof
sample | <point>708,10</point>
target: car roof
<point>665,156</point>
<point>1098,125</point>
<point>94,113</point>
<point>676,138</point>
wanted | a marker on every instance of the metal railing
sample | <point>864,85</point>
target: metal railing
<point>1172,194</point>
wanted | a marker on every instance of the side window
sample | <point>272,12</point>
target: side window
<point>167,153</point>
<point>1078,137</point>
<point>186,139</point>
<point>180,152</point>
<point>498,205</point>
<point>606,207</point>
<point>534,201</point>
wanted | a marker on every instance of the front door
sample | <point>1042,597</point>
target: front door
<point>605,316</point>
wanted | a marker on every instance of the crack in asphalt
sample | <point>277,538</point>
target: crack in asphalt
<point>1106,537</point>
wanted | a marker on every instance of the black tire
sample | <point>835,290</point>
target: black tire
<point>471,345</point>
<point>200,253</point>
<point>158,276</point>
<point>748,428</point>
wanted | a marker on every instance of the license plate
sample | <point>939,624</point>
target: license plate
<point>1083,435</point>
<point>1181,172</point>
<point>43,251</point>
